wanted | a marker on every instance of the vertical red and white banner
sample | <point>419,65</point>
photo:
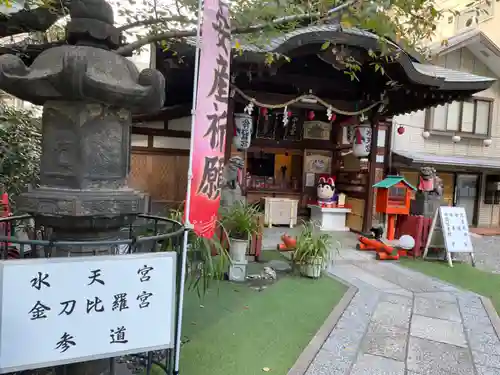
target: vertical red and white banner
<point>209,133</point>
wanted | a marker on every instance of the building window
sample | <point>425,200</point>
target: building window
<point>474,15</point>
<point>470,117</point>
<point>492,190</point>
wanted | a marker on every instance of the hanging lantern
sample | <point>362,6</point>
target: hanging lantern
<point>289,113</point>
<point>401,130</point>
<point>264,111</point>
<point>243,124</point>
<point>329,113</point>
<point>249,108</point>
<point>311,115</point>
<point>285,116</point>
<point>362,139</point>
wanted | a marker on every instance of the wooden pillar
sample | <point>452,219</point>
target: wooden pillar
<point>368,211</point>
<point>388,148</point>
<point>229,128</point>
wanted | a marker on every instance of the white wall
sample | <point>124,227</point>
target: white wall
<point>412,139</point>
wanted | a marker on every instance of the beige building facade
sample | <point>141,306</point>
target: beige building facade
<point>461,139</point>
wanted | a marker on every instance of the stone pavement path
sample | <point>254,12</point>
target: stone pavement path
<point>401,322</point>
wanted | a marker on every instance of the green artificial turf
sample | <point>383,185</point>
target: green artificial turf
<point>236,330</point>
<point>462,275</point>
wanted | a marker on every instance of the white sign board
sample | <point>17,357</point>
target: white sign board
<point>451,223</point>
<point>62,310</point>
<point>455,229</point>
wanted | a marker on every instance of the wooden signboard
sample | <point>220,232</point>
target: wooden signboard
<point>450,231</point>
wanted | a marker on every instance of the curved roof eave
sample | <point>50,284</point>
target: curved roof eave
<point>418,73</point>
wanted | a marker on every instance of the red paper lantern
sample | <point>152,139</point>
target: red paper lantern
<point>289,113</point>
<point>263,111</point>
<point>333,117</point>
<point>311,115</point>
<point>401,130</point>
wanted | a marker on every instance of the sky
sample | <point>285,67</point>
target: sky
<point>142,61</point>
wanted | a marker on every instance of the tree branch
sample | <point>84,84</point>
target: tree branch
<point>28,52</point>
<point>127,49</point>
<point>154,21</point>
<point>39,19</point>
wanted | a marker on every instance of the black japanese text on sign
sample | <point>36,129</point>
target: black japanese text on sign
<point>120,302</point>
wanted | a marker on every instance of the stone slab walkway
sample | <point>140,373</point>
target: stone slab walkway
<point>401,322</point>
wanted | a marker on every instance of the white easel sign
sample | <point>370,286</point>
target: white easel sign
<point>62,310</point>
<point>451,223</point>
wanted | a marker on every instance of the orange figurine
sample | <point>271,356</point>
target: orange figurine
<point>289,243</point>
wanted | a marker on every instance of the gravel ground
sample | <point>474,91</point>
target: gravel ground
<point>487,252</point>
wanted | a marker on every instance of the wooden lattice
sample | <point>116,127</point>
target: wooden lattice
<point>163,177</point>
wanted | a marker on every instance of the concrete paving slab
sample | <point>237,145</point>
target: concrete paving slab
<point>327,363</point>
<point>396,299</point>
<point>357,315</point>
<point>400,291</point>
<point>427,357</point>
<point>374,281</point>
<point>441,296</point>
<point>481,370</point>
<point>486,360</point>
<point>391,314</point>
<point>440,330</point>
<point>437,309</point>
<point>386,341</point>
<point>373,365</point>
<point>476,317</point>
<point>483,340</point>
<point>469,300</point>
<point>344,342</point>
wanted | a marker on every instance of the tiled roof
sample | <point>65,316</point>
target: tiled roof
<point>274,43</point>
<point>390,181</point>
<point>449,74</point>
<point>425,69</point>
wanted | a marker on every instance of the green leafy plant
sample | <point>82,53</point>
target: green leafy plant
<point>312,248</point>
<point>20,150</point>
<point>240,220</point>
<point>207,258</point>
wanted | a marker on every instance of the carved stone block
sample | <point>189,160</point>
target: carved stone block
<point>47,201</point>
<point>84,145</point>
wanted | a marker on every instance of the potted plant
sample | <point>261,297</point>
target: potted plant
<point>207,258</point>
<point>241,223</point>
<point>312,251</point>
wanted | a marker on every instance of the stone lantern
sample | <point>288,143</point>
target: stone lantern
<point>88,93</point>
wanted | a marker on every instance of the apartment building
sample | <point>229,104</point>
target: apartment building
<point>461,139</point>
<point>482,15</point>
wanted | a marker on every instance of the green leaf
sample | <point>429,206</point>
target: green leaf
<point>325,45</point>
